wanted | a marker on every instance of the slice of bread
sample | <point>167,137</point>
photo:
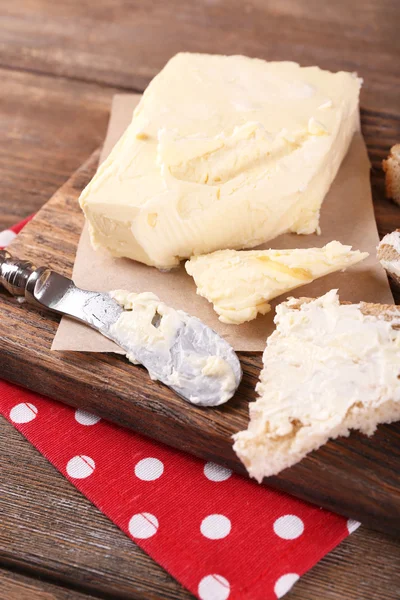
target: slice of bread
<point>329,367</point>
<point>388,254</point>
<point>391,166</point>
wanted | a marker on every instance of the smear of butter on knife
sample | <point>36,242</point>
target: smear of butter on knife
<point>176,348</point>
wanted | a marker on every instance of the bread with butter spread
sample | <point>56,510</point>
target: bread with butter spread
<point>329,367</point>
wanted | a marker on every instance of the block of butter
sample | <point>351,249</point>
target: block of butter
<point>328,368</point>
<point>241,283</point>
<point>222,152</point>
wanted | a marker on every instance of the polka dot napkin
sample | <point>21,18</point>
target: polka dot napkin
<point>220,535</point>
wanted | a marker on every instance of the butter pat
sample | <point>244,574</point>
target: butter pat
<point>240,284</point>
<point>136,328</point>
<point>328,368</point>
<point>222,152</point>
<point>176,349</point>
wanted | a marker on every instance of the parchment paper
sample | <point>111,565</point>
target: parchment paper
<point>347,216</point>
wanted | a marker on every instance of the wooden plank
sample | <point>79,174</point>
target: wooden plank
<point>49,530</point>
<point>125,44</point>
<point>47,128</point>
<point>14,586</point>
<point>371,574</point>
<point>357,477</point>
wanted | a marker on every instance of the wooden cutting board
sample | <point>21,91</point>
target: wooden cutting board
<point>358,477</point>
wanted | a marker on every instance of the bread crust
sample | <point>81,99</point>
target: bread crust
<point>391,167</point>
<point>388,256</point>
<point>388,312</point>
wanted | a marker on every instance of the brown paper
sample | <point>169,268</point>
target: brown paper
<point>347,216</point>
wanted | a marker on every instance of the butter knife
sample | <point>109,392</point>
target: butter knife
<point>181,364</point>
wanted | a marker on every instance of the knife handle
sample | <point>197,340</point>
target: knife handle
<point>47,289</point>
<point>14,273</point>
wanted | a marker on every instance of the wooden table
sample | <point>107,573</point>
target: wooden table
<point>60,64</point>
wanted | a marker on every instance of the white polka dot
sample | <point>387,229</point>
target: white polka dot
<point>143,525</point>
<point>289,527</point>
<point>86,418</point>
<point>215,527</point>
<point>149,469</point>
<point>80,466</point>
<point>6,237</point>
<point>23,413</point>
<point>285,583</point>
<point>352,525</point>
<point>215,472</point>
<point>214,587</point>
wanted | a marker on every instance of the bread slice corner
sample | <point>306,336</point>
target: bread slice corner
<point>286,424</point>
<point>391,166</point>
<point>388,254</point>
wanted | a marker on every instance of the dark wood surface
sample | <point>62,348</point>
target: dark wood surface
<point>48,127</point>
<point>125,43</point>
<point>60,62</point>
<point>14,585</point>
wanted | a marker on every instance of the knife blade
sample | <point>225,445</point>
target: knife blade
<point>177,349</point>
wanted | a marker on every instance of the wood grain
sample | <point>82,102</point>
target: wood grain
<point>14,586</point>
<point>357,477</point>
<point>125,43</point>
<point>48,127</point>
<point>49,530</point>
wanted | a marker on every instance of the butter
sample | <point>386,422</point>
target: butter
<point>240,284</point>
<point>222,152</point>
<point>176,349</point>
<point>328,368</point>
<point>135,328</point>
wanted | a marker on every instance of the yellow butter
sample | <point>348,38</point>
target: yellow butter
<point>240,284</point>
<point>222,152</point>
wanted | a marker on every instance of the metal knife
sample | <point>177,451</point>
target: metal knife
<point>181,368</point>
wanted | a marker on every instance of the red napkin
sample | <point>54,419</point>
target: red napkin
<point>220,535</point>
